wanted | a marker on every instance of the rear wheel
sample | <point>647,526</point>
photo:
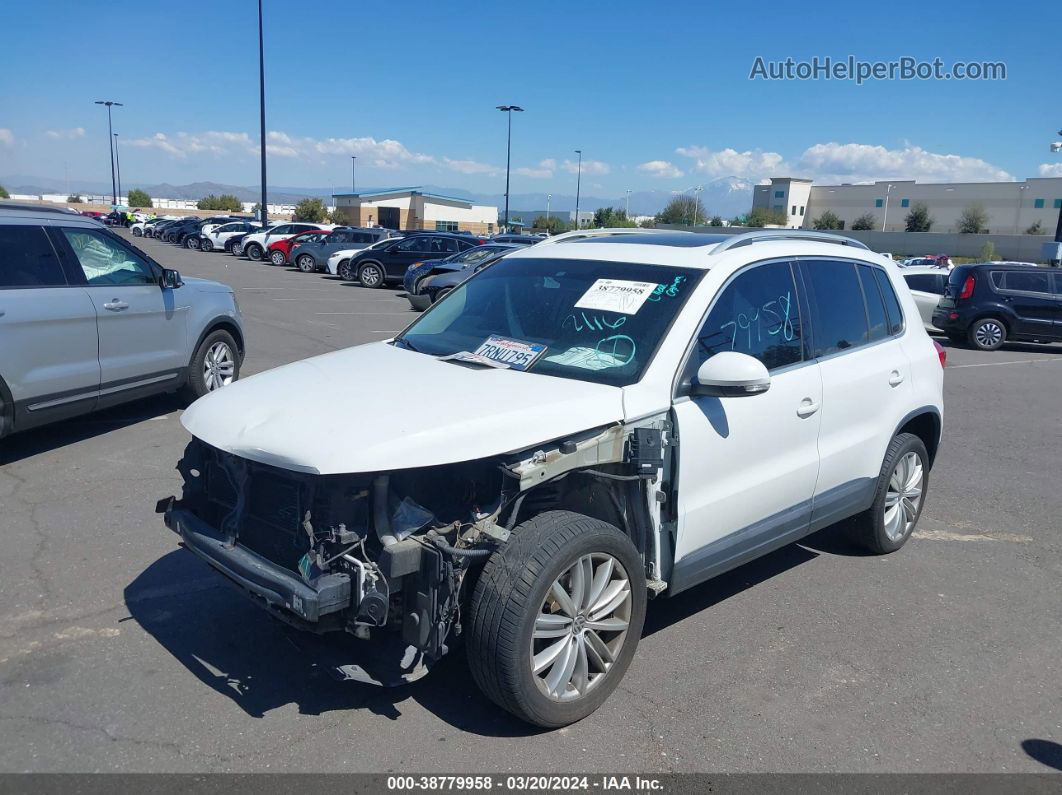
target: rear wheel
<point>987,334</point>
<point>191,242</point>
<point>345,271</point>
<point>556,618</point>
<point>370,274</point>
<point>306,263</point>
<point>253,251</point>
<point>215,364</point>
<point>898,497</point>
<point>277,257</point>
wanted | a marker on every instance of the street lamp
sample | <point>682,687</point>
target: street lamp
<point>508,109</point>
<point>548,197</point>
<point>627,210</point>
<point>885,217</point>
<point>110,142</point>
<point>578,185</point>
<point>261,111</point>
<point>1057,147</point>
<point>118,165</point>
<point>353,177</point>
<point>696,203</point>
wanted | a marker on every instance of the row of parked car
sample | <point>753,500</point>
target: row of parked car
<point>427,264</point>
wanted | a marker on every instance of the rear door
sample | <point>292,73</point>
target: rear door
<point>866,380</point>
<point>48,350</point>
<point>1029,295</point>
<point>142,327</point>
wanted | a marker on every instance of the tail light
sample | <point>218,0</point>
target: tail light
<point>967,288</point>
<point>942,353</point>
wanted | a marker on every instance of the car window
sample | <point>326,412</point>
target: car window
<point>925,282</point>
<point>1027,282</point>
<point>415,243</point>
<point>105,261</point>
<point>892,303</point>
<point>877,320</point>
<point>1058,284</point>
<point>27,258</point>
<point>477,254</point>
<point>839,318</point>
<point>757,313</point>
<point>283,229</point>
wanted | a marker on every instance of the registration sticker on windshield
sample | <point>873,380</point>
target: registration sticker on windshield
<point>616,295</point>
<point>517,354</point>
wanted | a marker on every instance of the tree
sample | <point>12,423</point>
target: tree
<point>312,210</point>
<point>918,220</point>
<point>1035,229</point>
<point>988,252</point>
<point>972,220</point>
<point>225,201</point>
<point>73,198</point>
<point>716,221</point>
<point>554,225</point>
<point>865,222</point>
<point>3,193</point>
<point>608,217</point>
<point>682,210</point>
<point>139,198</point>
<point>761,216</point>
<point>828,220</point>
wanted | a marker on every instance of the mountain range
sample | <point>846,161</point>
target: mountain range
<point>724,196</point>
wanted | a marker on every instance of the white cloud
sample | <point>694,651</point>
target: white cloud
<point>732,163</point>
<point>661,168</point>
<point>182,144</point>
<point>7,138</point>
<point>1051,169</point>
<point>469,166</point>
<point>66,135</point>
<point>865,163</point>
<point>590,167</point>
<point>544,170</point>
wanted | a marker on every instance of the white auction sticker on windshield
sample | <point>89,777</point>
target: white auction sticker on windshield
<point>518,355</point>
<point>616,295</point>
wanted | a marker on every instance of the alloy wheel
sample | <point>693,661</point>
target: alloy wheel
<point>581,627</point>
<point>988,334</point>
<point>219,366</point>
<point>277,257</point>
<point>904,496</point>
<point>370,276</point>
<point>306,263</point>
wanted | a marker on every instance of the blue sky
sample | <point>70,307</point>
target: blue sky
<point>657,96</point>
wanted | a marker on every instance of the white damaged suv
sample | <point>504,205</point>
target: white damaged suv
<point>627,414</point>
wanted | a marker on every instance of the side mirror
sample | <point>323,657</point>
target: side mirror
<point>731,374</point>
<point>170,279</point>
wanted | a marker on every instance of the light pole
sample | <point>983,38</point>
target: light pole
<point>508,109</point>
<point>627,209</point>
<point>110,142</point>
<point>885,217</point>
<point>118,165</point>
<point>1017,212</point>
<point>578,185</point>
<point>261,111</point>
<point>1056,147</point>
<point>548,197</point>
<point>696,203</point>
<point>353,174</point>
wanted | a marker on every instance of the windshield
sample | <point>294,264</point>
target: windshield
<point>588,320</point>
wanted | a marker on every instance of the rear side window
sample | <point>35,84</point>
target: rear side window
<point>892,303</point>
<point>27,258</point>
<point>838,315</point>
<point>925,282</point>
<point>1027,282</point>
<point>877,320</point>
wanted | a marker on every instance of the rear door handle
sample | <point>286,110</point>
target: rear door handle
<point>895,378</point>
<point>116,305</point>
<point>807,407</point>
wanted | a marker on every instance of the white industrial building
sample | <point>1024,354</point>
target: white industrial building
<point>1011,207</point>
<point>413,208</point>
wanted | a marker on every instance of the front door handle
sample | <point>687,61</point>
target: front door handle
<point>807,407</point>
<point>895,378</point>
<point>116,305</point>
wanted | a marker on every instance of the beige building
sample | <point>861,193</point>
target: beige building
<point>1011,207</point>
<point>412,208</point>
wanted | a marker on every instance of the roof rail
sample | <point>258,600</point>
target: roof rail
<point>748,238</point>
<point>35,208</point>
<point>579,234</point>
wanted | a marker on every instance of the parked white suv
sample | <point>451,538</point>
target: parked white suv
<point>626,414</point>
<point>255,245</point>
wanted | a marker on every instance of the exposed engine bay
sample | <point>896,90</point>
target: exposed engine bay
<point>390,558</point>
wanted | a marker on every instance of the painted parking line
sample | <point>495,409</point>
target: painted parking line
<point>1000,364</point>
<point>392,314</point>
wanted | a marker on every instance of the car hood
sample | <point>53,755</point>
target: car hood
<point>376,407</point>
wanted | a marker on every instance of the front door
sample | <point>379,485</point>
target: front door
<point>141,325</point>
<point>747,465</point>
<point>390,217</point>
<point>403,254</point>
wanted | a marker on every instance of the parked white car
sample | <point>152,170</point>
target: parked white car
<point>219,234</point>
<point>338,258</point>
<point>256,245</point>
<point>625,414</point>
<point>926,286</point>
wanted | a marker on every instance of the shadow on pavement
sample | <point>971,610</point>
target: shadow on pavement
<point>1046,752</point>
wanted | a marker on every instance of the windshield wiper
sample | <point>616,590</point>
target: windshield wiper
<point>407,344</point>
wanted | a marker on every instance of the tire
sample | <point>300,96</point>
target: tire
<point>345,271</point>
<point>885,527</point>
<point>441,294</point>
<point>305,263</point>
<point>192,243</point>
<point>206,244</point>
<point>517,589</point>
<point>987,334</point>
<point>276,257</point>
<point>253,251</point>
<point>199,375</point>
<point>138,232</point>
<point>371,275</point>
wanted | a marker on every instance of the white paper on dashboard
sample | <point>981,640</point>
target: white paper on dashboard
<point>616,295</point>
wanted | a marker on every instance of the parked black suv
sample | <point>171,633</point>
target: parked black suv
<point>989,303</point>
<point>387,263</point>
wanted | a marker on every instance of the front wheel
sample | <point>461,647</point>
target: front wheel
<point>441,294</point>
<point>988,334</point>
<point>306,263</point>
<point>277,257</point>
<point>215,364</point>
<point>253,251</point>
<point>206,244</point>
<point>345,271</point>
<point>556,618</point>
<point>899,495</point>
<point>370,275</point>
<point>137,232</point>
<point>191,242</point>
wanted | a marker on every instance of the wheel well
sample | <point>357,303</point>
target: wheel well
<point>993,315</point>
<point>925,426</point>
<point>223,324</point>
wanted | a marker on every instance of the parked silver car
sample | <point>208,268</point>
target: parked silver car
<point>87,321</point>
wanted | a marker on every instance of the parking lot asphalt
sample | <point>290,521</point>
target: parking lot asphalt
<point>120,651</point>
